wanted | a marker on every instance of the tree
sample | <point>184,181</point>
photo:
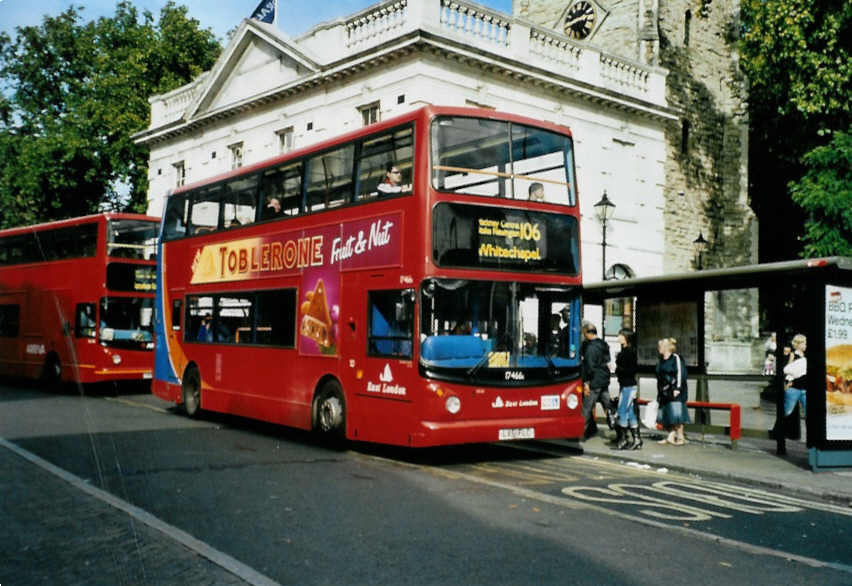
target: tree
<point>74,94</point>
<point>797,58</point>
<point>825,192</point>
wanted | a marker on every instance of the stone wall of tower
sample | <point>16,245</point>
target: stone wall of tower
<point>706,184</point>
<point>709,150</point>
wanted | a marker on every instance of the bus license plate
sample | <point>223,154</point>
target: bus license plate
<point>518,433</point>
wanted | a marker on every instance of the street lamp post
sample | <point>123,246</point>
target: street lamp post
<point>603,210</point>
<point>700,245</point>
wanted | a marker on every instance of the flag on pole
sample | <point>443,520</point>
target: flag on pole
<point>265,11</point>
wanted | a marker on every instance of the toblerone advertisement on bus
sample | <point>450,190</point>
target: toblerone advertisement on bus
<point>319,255</point>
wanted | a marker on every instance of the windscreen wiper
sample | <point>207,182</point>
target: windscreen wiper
<point>476,367</point>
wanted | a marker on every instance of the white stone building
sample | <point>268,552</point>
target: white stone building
<point>269,93</point>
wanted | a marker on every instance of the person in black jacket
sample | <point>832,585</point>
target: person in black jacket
<point>626,365</point>
<point>672,392</point>
<point>596,376</point>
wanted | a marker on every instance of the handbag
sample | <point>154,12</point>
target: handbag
<point>649,414</point>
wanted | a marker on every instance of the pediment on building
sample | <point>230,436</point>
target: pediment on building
<point>258,60</point>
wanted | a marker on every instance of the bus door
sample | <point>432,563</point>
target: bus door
<point>58,316</point>
<point>389,372</point>
<point>12,307</point>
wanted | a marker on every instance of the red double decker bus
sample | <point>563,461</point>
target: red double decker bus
<point>77,299</point>
<point>416,282</point>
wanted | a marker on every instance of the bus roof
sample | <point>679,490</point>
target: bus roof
<point>75,221</point>
<point>426,112</point>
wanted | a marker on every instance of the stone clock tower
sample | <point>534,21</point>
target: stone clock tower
<point>706,182</point>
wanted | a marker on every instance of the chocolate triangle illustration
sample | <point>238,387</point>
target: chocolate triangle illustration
<point>316,321</point>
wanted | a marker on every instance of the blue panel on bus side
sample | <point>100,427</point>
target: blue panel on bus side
<point>163,368</point>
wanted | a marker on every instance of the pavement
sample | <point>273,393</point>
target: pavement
<point>58,529</point>
<point>753,461</point>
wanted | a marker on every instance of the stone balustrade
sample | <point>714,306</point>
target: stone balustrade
<point>467,24</point>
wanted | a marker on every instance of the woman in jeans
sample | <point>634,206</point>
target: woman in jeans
<point>795,373</point>
<point>625,371</point>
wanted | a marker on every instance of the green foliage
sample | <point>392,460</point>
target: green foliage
<point>796,54</point>
<point>74,93</point>
<point>825,193</point>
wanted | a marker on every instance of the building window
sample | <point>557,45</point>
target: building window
<point>180,174</point>
<point>236,155</point>
<point>684,136</point>
<point>687,23</point>
<point>370,113</point>
<point>286,140</point>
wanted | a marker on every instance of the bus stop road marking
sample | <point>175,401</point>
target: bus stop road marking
<point>575,504</point>
<point>219,558</point>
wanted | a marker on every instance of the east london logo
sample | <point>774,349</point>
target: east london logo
<point>499,403</point>
<point>385,385</point>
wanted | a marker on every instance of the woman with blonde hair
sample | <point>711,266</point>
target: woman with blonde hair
<point>795,374</point>
<point>672,392</point>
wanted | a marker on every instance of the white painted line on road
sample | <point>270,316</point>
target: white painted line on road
<point>136,404</point>
<point>577,504</point>
<point>219,558</point>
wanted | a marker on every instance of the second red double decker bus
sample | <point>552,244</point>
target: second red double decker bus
<point>77,299</point>
<point>416,282</point>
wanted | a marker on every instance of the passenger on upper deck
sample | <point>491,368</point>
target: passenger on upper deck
<point>536,192</point>
<point>392,183</point>
<point>272,209</point>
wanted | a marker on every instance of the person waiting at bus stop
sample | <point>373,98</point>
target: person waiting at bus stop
<point>795,375</point>
<point>672,392</point>
<point>626,365</point>
<point>595,369</point>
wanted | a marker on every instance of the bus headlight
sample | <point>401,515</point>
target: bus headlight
<point>453,404</point>
<point>572,401</point>
<point>116,359</point>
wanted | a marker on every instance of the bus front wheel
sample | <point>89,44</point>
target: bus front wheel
<point>192,392</point>
<point>331,410</point>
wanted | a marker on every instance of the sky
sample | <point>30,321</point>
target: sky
<point>294,16</point>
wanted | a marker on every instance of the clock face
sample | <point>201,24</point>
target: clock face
<point>580,19</point>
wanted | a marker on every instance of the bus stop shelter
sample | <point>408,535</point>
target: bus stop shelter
<point>724,319</point>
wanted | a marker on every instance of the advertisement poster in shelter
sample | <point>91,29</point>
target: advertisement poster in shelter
<point>838,363</point>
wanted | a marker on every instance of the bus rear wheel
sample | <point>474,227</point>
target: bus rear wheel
<point>192,392</point>
<point>331,410</point>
